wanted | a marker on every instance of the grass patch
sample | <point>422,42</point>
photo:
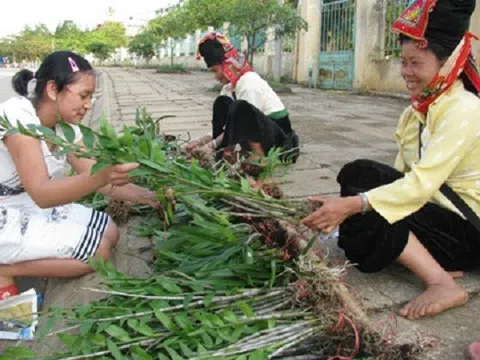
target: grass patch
<point>172,69</point>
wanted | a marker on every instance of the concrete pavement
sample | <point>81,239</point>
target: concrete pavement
<point>6,90</point>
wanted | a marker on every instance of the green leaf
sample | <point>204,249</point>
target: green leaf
<point>45,329</point>
<point>17,353</point>
<point>169,285</point>
<point>99,166</point>
<point>187,300</point>
<point>106,128</point>
<point>127,138</point>
<point>186,350</point>
<point>207,299</point>
<point>207,341</point>
<point>46,131</point>
<point>246,309</point>
<point>245,186</point>
<point>88,136</point>
<point>201,349</point>
<point>257,355</point>
<point>165,320</point>
<point>86,327</point>
<point>215,320</point>
<point>98,339</point>
<point>229,316</point>
<point>118,333</point>
<point>140,354</point>
<point>173,354</point>
<point>68,339</point>
<point>108,143</point>
<point>140,328</point>
<point>67,131</point>
<point>85,345</point>
<point>182,321</point>
<point>140,173</point>
<point>114,350</point>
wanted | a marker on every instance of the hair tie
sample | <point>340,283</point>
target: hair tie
<point>31,86</point>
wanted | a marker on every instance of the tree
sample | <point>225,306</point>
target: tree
<point>68,36</point>
<point>32,43</point>
<point>113,33</point>
<point>7,48</point>
<point>204,13</point>
<point>103,41</point>
<point>101,50</point>
<point>171,28</point>
<point>252,18</point>
<point>143,44</point>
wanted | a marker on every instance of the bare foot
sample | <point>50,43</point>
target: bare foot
<point>474,350</point>
<point>435,300</point>
<point>456,274</point>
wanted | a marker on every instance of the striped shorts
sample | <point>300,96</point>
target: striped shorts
<point>66,232</point>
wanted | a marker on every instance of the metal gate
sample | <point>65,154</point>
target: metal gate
<point>337,44</point>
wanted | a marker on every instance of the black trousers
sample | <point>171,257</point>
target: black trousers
<point>373,244</point>
<point>242,123</point>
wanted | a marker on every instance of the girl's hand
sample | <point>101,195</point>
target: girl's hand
<point>333,212</point>
<point>116,175</point>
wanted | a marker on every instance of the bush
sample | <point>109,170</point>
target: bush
<point>172,69</point>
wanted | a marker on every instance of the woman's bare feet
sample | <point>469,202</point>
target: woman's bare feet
<point>474,351</point>
<point>435,300</point>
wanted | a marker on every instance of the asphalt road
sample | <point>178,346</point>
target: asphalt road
<point>5,84</point>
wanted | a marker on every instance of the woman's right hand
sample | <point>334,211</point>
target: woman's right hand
<point>192,145</point>
<point>116,175</point>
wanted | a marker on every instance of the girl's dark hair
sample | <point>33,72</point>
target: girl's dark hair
<point>60,67</point>
<point>441,52</point>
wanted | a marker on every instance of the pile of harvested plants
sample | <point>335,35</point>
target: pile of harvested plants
<point>235,275</point>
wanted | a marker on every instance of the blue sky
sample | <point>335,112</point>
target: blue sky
<point>15,14</point>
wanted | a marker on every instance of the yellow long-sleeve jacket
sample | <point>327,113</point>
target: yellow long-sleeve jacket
<point>450,154</point>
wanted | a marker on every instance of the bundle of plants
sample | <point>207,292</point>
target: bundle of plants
<point>236,276</point>
<point>161,167</point>
<point>218,292</point>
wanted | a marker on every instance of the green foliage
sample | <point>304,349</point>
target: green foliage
<point>68,36</point>
<point>204,13</point>
<point>249,19</point>
<point>143,44</point>
<point>101,50</point>
<point>172,69</point>
<point>252,18</point>
<point>112,33</point>
<point>169,28</point>
<point>103,41</point>
<point>34,43</point>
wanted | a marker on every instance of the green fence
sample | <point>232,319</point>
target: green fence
<point>393,9</point>
<point>183,49</point>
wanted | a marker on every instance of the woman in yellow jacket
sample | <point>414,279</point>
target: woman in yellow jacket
<point>401,214</point>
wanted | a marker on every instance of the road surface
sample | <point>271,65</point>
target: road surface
<point>5,83</point>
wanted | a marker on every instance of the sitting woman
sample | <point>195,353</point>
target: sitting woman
<point>247,112</point>
<point>401,215</point>
<point>42,231</point>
